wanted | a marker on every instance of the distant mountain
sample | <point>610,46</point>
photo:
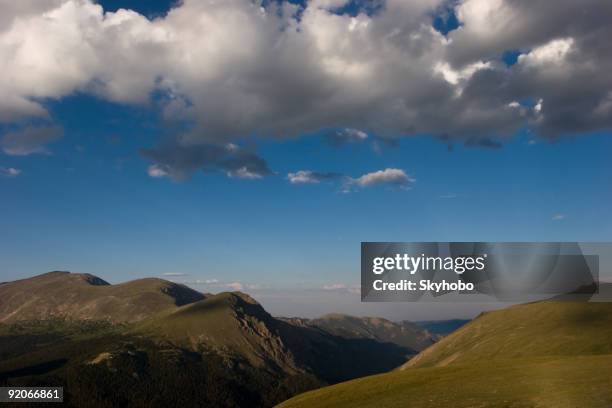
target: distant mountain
<point>442,327</point>
<point>84,296</point>
<point>406,334</point>
<point>91,337</point>
<point>545,354</point>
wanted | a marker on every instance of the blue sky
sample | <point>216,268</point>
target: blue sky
<point>86,203</point>
<point>90,205</point>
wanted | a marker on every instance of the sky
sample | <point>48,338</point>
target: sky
<point>253,146</point>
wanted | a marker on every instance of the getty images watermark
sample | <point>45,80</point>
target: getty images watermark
<point>478,271</point>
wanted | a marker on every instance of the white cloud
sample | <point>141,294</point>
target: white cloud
<point>397,177</point>
<point>235,69</point>
<point>310,177</point>
<point>559,217</point>
<point>390,176</point>
<point>455,77</point>
<point>9,172</point>
<point>217,285</point>
<point>156,171</point>
<point>244,173</point>
<point>553,52</point>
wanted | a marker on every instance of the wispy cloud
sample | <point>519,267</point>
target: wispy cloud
<point>9,172</point>
<point>344,136</point>
<point>311,177</point>
<point>218,285</point>
<point>174,274</point>
<point>390,176</point>
<point>334,286</point>
<point>342,287</point>
<point>156,171</point>
<point>559,217</point>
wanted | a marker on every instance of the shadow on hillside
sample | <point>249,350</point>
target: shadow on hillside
<point>37,369</point>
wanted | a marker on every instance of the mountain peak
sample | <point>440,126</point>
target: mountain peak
<point>61,294</point>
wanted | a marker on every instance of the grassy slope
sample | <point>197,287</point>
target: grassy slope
<point>536,329</point>
<point>548,354</point>
<point>540,382</point>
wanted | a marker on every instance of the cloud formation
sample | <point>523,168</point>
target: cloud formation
<point>9,172</point>
<point>311,177</point>
<point>390,177</point>
<point>394,177</point>
<point>179,162</point>
<point>344,136</point>
<point>30,140</point>
<point>235,69</point>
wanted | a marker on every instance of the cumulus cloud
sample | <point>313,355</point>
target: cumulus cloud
<point>390,177</point>
<point>311,177</point>
<point>9,172</point>
<point>394,177</point>
<point>235,69</point>
<point>30,140</point>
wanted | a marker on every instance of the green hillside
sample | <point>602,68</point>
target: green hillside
<point>536,382</point>
<point>545,354</point>
<point>535,329</point>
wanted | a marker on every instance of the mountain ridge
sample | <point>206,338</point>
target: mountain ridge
<point>85,296</point>
<point>68,325</point>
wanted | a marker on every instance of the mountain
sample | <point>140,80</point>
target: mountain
<point>442,327</point>
<point>405,333</point>
<point>543,354</point>
<point>234,325</point>
<point>126,343</point>
<point>84,296</point>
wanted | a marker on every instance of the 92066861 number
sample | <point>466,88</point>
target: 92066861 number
<point>31,394</point>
